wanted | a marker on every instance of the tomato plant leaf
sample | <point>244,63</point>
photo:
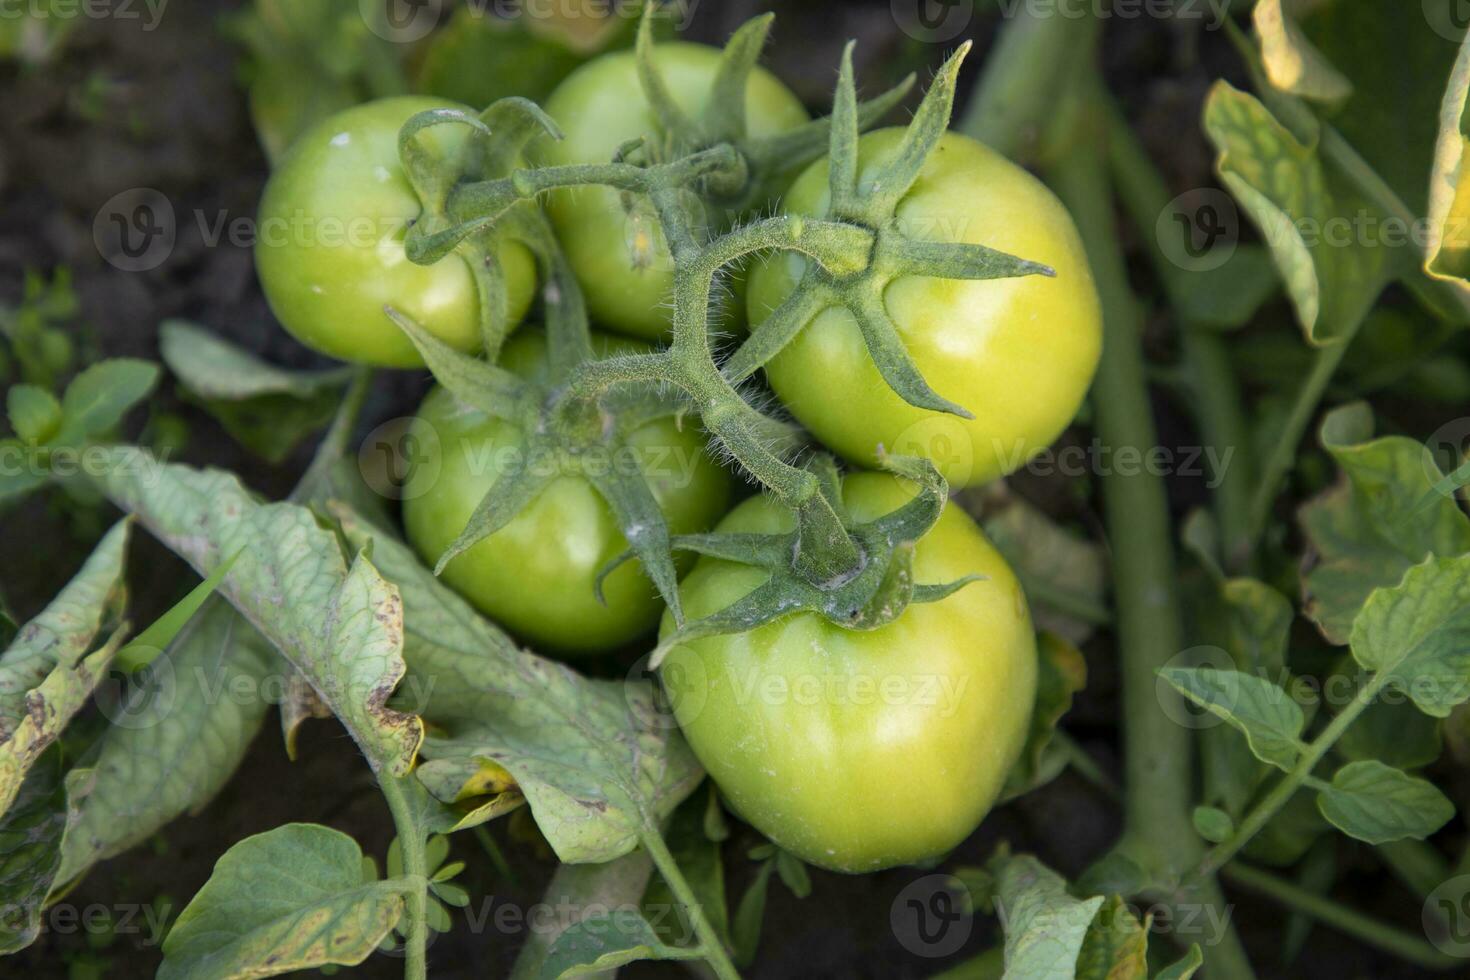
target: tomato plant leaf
<point>1279,180</point>
<point>476,790</point>
<point>1061,673</point>
<point>30,851</point>
<point>606,941</point>
<point>1062,572</point>
<point>49,708</point>
<point>593,758</point>
<point>341,626</point>
<point>1184,968</point>
<point>98,397</point>
<point>1391,729</point>
<point>1045,927</point>
<point>1449,186</point>
<point>1293,64</point>
<point>1367,531</point>
<point>1270,720</point>
<point>59,636</point>
<point>175,737</point>
<point>289,899</point>
<point>750,914</point>
<point>1116,945</point>
<point>34,412</point>
<point>1212,823</point>
<point>1418,632</point>
<point>1378,803</point>
<point>267,409</point>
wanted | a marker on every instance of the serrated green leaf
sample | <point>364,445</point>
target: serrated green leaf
<point>1370,529</point>
<point>174,740</point>
<point>1418,632</point>
<point>1115,947</point>
<point>30,851</point>
<point>1044,926</point>
<point>1270,720</point>
<point>607,941</point>
<point>593,758</point>
<point>340,626</point>
<point>289,899</point>
<point>98,398</point>
<point>1391,729</point>
<point>1377,803</point>
<point>1282,185</point>
<point>64,630</point>
<point>35,414</point>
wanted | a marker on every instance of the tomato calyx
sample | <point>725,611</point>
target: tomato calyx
<point>869,596</point>
<point>871,202</point>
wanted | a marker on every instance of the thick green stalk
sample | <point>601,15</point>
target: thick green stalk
<point>1404,945</point>
<point>1158,833</point>
<point>1212,384</point>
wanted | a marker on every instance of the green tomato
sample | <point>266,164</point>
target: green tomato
<point>623,263</point>
<point>856,750</point>
<point>329,246</point>
<point>536,575</point>
<point>1019,354</point>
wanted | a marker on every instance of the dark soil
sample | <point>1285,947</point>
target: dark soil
<point>172,117</point>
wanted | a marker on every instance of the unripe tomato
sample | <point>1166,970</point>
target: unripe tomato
<point>624,265</point>
<point>1019,353</point>
<point>329,246</point>
<point>535,576</point>
<point>861,750</point>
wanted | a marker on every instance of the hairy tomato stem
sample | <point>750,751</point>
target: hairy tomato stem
<point>710,945</point>
<point>415,866</point>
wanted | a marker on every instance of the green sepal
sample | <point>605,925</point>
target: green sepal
<point>520,484</point>
<point>637,512</point>
<point>491,389</point>
<point>877,594</point>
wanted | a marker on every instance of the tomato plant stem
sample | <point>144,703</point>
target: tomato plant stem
<point>415,867</point>
<point>1283,454</point>
<point>1158,834</point>
<point>339,436</point>
<point>1212,384</point>
<point>1404,945</point>
<point>1263,811</point>
<point>710,945</point>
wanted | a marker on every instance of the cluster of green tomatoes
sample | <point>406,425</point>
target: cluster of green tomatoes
<point>855,749</point>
